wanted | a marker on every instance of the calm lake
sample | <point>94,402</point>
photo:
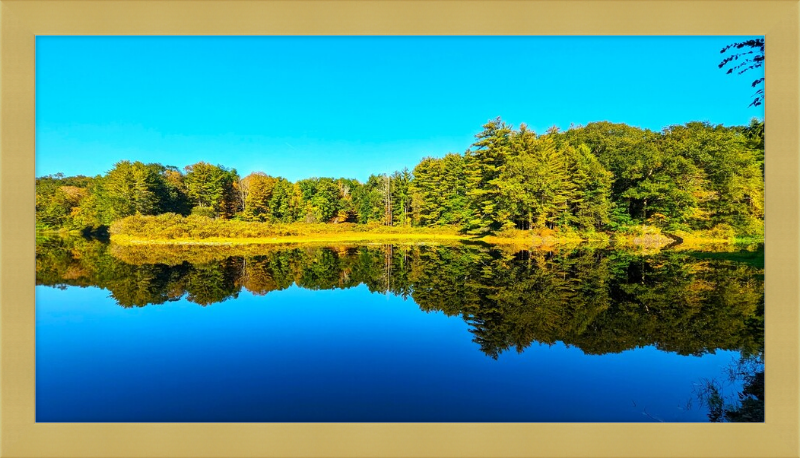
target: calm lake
<point>381,333</point>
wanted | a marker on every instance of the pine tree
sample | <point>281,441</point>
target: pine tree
<point>212,187</point>
<point>129,189</point>
<point>535,185</point>
<point>591,203</point>
<point>426,202</point>
<point>483,164</point>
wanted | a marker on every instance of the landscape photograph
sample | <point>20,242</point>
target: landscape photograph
<point>400,229</point>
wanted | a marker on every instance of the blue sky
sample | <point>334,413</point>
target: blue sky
<point>299,107</point>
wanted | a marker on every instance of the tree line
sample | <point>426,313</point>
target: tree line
<point>598,177</point>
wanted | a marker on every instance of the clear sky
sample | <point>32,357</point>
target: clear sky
<point>299,107</point>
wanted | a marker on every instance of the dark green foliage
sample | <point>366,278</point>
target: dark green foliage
<point>590,205</point>
<point>131,188</point>
<point>642,175</point>
<point>172,191</point>
<point>534,182</point>
<point>695,176</point>
<point>282,205</point>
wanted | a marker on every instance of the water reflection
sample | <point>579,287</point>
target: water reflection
<point>746,405</point>
<point>600,301</point>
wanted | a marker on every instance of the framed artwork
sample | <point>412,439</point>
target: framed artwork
<point>399,228</point>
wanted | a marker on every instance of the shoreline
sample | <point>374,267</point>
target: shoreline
<point>439,238</point>
<point>345,237</point>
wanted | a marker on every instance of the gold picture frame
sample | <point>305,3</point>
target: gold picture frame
<point>22,20</point>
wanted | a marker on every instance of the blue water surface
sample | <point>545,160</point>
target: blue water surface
<point>348,355</point>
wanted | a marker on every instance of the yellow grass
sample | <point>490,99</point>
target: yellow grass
<point>175,230</point>
<point>311,238</point>
<point>518,240</point>
<point>349,237</point>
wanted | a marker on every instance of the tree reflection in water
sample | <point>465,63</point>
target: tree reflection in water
<point>746,405</point>
<point>601,301</point>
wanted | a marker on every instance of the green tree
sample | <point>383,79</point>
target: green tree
<point>438,191</point>
<point>347,204</point>
<point>483,166</point>
<point>58,200</point>
<point>256,192</point>
<point>731,187</point>
<point>281,208</point>
<point>535,188</point>
<point>426,199</point>
<point>130,188</point>
<point>401,197</point>
<point>651,183</point>
<point>173,190</point>
<point>590,203</point>
<point>320,198</point>
<point>212,187</point>
<point>368,200</point>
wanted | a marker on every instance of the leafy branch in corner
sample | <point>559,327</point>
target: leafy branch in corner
<point>751,55</point>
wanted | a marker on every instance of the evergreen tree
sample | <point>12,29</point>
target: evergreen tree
<point>483,164</point>
<point>368,200</point>
<point>401,197</point>
<point>130,188</point>
<point>590,204</point>
<point>212,187</point>
<point>534,183</point>
<point>426,199</point>
<point>280,202</point>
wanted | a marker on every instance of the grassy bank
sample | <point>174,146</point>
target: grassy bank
<point>336,237</point>
<point>172,229</point>
<point>197,230</point>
